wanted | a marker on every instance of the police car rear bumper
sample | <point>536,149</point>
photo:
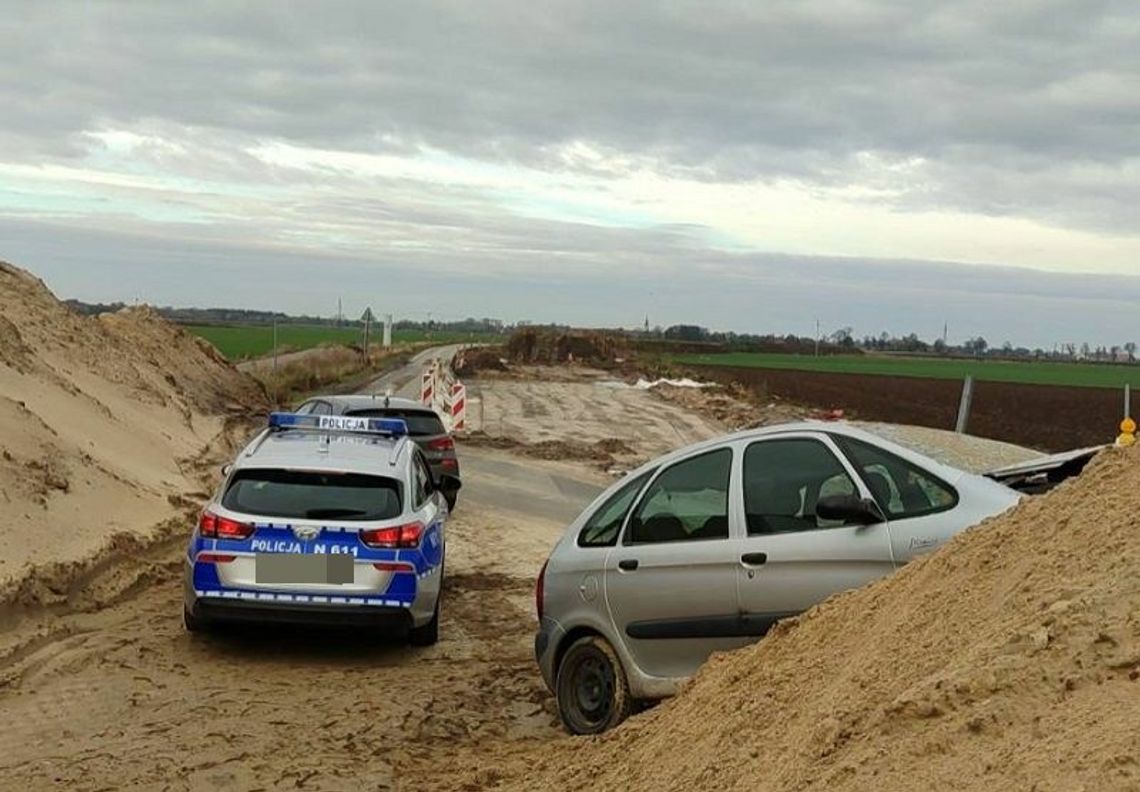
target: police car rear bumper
<point>372,616</point>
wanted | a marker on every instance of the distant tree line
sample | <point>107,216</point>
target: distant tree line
<point>241,316</point>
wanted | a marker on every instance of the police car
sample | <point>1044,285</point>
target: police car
<point>327,520</point>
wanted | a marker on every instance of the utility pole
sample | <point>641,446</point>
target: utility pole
<point>817,338</point>
<point>274,344</point>
<point>367,319</point>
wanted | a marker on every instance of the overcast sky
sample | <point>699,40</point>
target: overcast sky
<point>889,166</point>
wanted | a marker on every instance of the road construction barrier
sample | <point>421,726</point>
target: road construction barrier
<point>427,386</point>
<point>440,390</point>
<point>458,407</point>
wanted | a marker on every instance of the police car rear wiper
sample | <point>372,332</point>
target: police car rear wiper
<point>320,514</point>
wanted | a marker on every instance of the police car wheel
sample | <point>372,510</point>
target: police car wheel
<point>193,623</point>
<point>428,635</point>
<point>592,691</point>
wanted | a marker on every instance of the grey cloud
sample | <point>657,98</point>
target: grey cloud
<point>986,92</point>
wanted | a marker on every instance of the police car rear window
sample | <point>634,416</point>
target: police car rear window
<point>420,422</point>
<point>313,495</point>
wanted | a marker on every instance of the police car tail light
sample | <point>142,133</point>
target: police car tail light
<point>215,558</point>
<point>215,527</point>
<point>398,536</point>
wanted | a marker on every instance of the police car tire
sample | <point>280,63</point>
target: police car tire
<point>597,651</point>
<point>428,635</point>
<point>193,623</point>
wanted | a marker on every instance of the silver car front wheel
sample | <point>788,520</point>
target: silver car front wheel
<point>593,694</point>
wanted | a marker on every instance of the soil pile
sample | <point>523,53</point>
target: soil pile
<point>532,345</point>
<point>469,362</point>
<point>105,424</point>
<point>1010,659</point>
<point>730,407</point>
<point>604,453</point>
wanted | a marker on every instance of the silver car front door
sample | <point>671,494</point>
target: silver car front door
<point>790,559</point>
<point>670,583</point>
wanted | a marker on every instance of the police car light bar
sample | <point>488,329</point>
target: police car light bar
<point>392,427</point>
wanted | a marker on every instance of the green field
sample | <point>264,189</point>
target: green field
<point>237,342</point>
<point>1100,375</point>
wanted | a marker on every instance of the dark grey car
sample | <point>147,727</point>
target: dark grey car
<point>424,426</point>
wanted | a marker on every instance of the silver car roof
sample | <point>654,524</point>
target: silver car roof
<point>343,452</point>
<point>945,472</point>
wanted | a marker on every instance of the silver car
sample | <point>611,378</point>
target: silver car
<point>706,548</point>
<point>324,520</point>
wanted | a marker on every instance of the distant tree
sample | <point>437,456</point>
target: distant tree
<point>686,333</point>
<point>842,337</point>
<point>1130,348</point>
<point>940,347</point>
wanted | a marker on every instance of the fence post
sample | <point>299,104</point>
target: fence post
<point>964,405</point>
<point>1127,400</point>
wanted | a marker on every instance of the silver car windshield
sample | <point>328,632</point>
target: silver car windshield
<point>313,495</point>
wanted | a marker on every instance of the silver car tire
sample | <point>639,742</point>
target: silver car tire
<point>591,688</point>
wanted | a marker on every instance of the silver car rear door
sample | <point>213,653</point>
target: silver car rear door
<point>789,559</point>
<point>669,582</point>
<point>923,509</point>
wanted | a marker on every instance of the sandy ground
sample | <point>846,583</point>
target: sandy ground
<point>125,699</point>
<point>583,405</point>
<point>113,694</point>
<point>539,408</point>
<point>104,425</point>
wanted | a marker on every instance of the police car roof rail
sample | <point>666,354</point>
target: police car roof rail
<point>257,442</point>
<point>398,449</point>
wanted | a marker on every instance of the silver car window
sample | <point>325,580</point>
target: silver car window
<point>688,501</point>
<point>784,479</point>
<point>604,525</point>
<point>901,489</point>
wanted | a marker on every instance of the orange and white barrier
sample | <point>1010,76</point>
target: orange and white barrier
<point>458,407</point>
<point>427,385</point>
<point>440,390</point>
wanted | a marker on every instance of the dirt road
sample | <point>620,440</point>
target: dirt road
<point>125,699</point>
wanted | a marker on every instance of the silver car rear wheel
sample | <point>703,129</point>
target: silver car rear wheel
<point>592,691</point>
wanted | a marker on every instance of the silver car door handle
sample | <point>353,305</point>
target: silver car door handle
<point>627,564</point>
<point>754,559</point>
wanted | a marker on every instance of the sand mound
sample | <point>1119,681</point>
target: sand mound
<point>536,345</point>
<point>104,425</point>
<point>1010,659</point>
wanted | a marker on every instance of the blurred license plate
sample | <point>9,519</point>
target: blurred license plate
<point>296,568</point>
